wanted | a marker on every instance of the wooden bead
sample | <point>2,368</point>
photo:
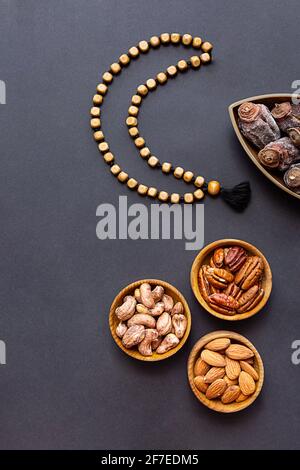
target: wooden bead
<point>188,176</point>
<point>122,177</point>
<point>139,142</point>
<point>124,59</point>
<point>166,167</point>
<point>136,100</point>
<point>107,77</point>
<point>178,172</point>
<point>197,42</point>
<point>134,52</point>
<point>95,112</point>
<point>145,152</point>
<point>172,71</point>
<point>133,132</point>
<point>214,188</point>
<point>175,38</point>
<point>115,68</point>
<point>187,39</point>
<point>151,84</point>
<point>182,65</point>
<point>165,38</point>
<point>161,77</point>
<point>188,198</point>
<point>205,58</point>
<point>142,90</point>
<point>98,136</point>
<point>175,198</point>
<point>143,46</point>
<point>95,123</point>
<point>153,161</point>
<point>103,147</point>
<point>195,61</point>
<point>102,88</point>
<point>132,183</point>
<point>152,192</point>
<point>154,41</point>
<point>133,110</point>
<point>97,99</point>
<point>199,181</point>
<point>207,46</point>
<point>108,157</point>
<point>131,121</point>
<point>142,189</point>
<point>198,194</point>
<point>115,169</point>
<point>163,196</point>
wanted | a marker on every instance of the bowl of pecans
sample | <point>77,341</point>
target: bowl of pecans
<point>231,279</point>
<point>225,371</point>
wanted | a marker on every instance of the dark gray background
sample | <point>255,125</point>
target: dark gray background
<point>66,384</point>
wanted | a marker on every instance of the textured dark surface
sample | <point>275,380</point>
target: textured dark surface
<point>66,384</point>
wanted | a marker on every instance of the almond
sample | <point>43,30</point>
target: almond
<point>231,394</point>
<point>246,383</point>
<point>201,367</point>
<point>248,368</point>
<point>213,374</point>
<point>213,358</point>
<point>216,389</point>
<point>241,398</point>
<point>229,381</point>
<point>238,352</point>
<point>232,368</point>
<point>218,344</point>
<point>200,384</point>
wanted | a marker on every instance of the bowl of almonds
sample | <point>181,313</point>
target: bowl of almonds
<point>225,371</point>
<point>150,320</point>
<point>231,279</point>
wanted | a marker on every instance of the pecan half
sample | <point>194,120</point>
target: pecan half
<point>235,257</point>
<point>203,284</point>
<point>250,273</point>
<point>223,310</point>
<point>248,295</point>
<point>223,274</point>
<point>253,302</point>
<point>218,257</point>
<point>225,301</point>
<point>218,277</point>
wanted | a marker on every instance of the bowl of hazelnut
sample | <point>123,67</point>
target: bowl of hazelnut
<point>225,371</point>
<point>231,279</point>
<point>150,320</point>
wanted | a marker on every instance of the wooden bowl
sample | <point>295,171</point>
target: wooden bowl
<point>251,150</point>
<point>203,258</point>
<point>170,290</point>
<point>217,405</point>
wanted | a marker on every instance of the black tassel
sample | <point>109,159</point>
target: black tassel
<point>237,197</point>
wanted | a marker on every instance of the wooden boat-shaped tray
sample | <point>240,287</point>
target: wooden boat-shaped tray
<point>251,150</point>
